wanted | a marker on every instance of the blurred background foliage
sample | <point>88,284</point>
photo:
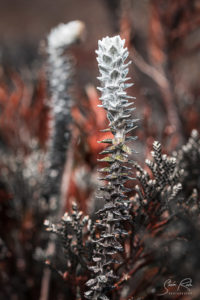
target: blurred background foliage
<point>163,38</point>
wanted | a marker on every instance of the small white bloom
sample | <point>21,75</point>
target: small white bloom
<point>65,34</point>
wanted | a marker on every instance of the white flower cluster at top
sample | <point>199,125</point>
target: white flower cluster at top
<point>65,34</point>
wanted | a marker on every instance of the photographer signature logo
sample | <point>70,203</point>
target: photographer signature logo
<point>182,287</point>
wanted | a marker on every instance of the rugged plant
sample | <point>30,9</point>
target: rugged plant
<point>165,184</point>
<point>188,159</point>
<point>113,69</point>
<point>72,232</point>
<point>127,233</point>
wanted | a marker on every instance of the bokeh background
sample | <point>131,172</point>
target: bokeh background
<point>163,38</point>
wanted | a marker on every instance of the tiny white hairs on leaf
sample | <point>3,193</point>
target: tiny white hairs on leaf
<point>116,41</point>
<point>111,57</point>
<point>65,34</point>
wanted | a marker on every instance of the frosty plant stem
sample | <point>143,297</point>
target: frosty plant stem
<point>60,80</point>
<point>113,77</point>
